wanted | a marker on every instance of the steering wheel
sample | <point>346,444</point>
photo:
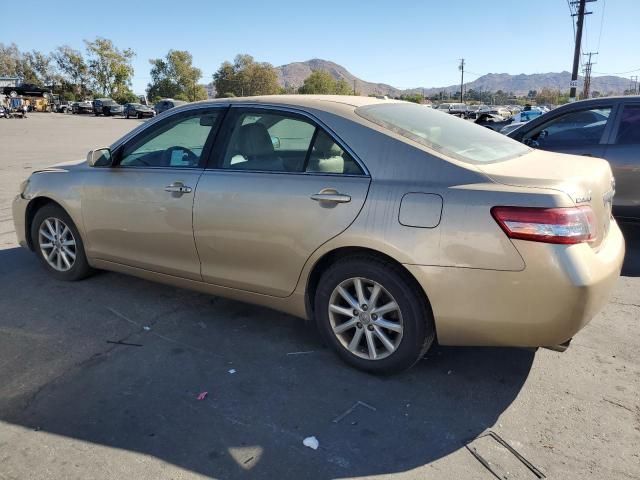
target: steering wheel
<point>192,158</point>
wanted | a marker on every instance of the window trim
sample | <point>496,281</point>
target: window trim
<point>224,136</point>
<point>137,135</point>
<point>605,132</point>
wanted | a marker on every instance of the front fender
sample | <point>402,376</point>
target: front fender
<point>51,186</point>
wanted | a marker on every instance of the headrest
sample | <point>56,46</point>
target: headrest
<point>325,147</point>
<point>254,140</point>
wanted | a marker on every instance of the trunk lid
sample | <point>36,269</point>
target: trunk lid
<point>587,180</point>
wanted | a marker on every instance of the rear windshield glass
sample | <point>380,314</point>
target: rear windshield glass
<point>451,136</point>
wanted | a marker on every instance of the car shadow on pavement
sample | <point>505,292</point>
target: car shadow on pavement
<point>270,382</point>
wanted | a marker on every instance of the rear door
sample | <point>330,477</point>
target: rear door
<point>623,153</point>
<point>281,187</point>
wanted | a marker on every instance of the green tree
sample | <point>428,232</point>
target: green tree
<point>413,97</point>
<point>174,76</point>
<point>73,68</point>
<point>321,82</point>
<point>343,88</point>
<point>37,68</point>
<point>245,77</point>
<point>10,58</point>
<point>548,96</point>
<point>110,68</point>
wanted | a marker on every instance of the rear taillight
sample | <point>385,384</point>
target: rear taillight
<point>551,225</point>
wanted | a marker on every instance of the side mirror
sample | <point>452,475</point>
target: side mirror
<point>101,157</point>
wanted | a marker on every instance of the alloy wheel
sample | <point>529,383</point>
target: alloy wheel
<point>365,318</point>
<point>57,244</point>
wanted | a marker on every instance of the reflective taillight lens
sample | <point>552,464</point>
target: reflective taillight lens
<point>550,225</point>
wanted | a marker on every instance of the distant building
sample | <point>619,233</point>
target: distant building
<point>8,81</point>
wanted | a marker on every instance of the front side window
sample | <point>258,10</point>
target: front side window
<point>582,127</point>
<point>451,136</point>
<point>177,142</point>
<point>629,129</point>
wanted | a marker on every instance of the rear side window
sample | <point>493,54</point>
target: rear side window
<point>267,141</point>
<point>327,156</point>
<point>451,136</point>
<point>629,129</point>
<point>283,142</point>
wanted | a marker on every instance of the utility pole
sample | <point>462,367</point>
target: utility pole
<point>587,75</point>
<point>634,85</point>
<point>461,68</point>
<point>578,45</point>
<point>354,86</point>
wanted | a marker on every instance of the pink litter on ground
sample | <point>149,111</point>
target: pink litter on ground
<point>202,396</point>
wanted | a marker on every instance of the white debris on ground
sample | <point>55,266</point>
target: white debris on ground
<point>311,442</point>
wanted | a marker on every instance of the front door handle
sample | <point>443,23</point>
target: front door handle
<point>331,196</point>
<point>177,187</point>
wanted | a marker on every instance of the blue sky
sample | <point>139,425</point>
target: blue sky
<point>405,44</point>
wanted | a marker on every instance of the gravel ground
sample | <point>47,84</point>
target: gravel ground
<point>74,406</point>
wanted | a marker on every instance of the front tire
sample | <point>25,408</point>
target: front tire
<point>373,315</point>
<point>58,244</point>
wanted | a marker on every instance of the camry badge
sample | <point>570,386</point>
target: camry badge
<point>583,198</point>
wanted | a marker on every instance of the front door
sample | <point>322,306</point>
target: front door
<point>138,212</point>
<point>580,132</point>
<point>282,187</point>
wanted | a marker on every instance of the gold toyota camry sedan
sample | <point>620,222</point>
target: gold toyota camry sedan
<point>389,224</point>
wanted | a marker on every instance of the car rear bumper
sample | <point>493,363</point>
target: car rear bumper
<point>560,290</point>
<point>19,209</point>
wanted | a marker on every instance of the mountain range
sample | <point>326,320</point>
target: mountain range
<point>292,76</point>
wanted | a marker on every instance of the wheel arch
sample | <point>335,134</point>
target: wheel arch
<point>33,206</point>
<point>341,253</point>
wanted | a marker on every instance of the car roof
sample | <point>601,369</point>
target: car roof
<point>344,105</point>
<point>600,100</point>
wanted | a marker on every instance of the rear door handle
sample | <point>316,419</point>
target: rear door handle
<point>331,196</point>
<point>177,187</point>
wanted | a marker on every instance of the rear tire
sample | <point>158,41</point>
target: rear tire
<point>383,332</point>
<point>58,244</point>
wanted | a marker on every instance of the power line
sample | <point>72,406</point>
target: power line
<point>604,5</point>
<point>587,76</point>
<point>571,13</point>
<point>618,73</point>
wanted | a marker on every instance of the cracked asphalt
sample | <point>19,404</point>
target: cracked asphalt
<point>73,405</point>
